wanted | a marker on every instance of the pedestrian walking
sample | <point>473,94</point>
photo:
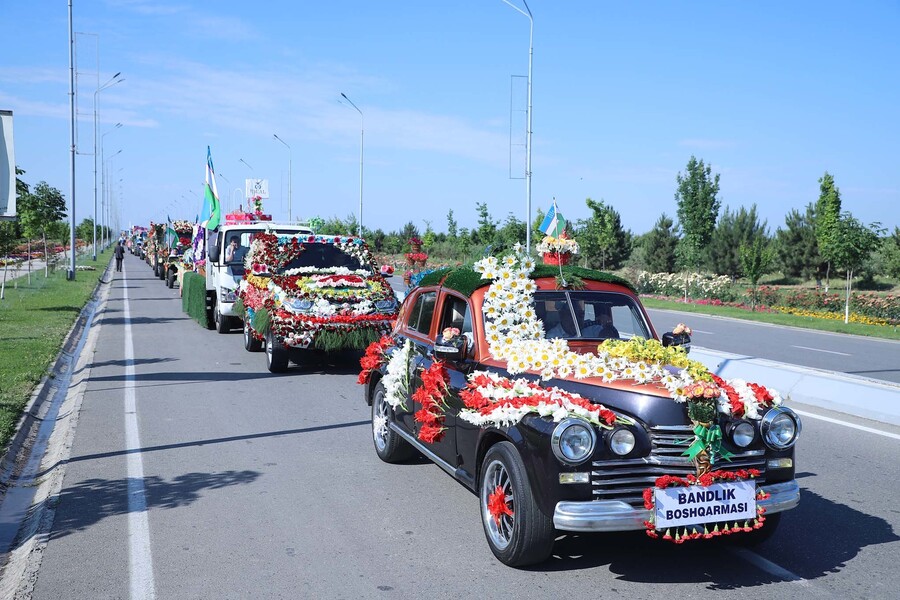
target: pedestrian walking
<point>120,255</point>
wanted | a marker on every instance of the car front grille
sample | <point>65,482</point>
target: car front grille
<point>626,479</point>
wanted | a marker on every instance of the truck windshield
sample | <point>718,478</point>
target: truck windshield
<point>237,243</point>
<point>324,255</point>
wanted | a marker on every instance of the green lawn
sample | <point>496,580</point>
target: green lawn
<point>887,332</point>
<point>34,321</point>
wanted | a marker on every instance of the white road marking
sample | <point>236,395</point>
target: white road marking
<point>140,560</point>
<point>701,331</point>
<point>776,570</point>
<point>846,424</point>
<point>820,350</point>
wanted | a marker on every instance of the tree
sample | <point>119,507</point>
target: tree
<point>851,243</point>
<point>85,229</point>
<point>734,230</point>
<point>512,232</point>
<point>796,248</point>
<point>38,211</point>
<point>452,225</point>
<point>890,254</point>
<point>487,227</point>
<point>828,216</point>
<point>9,237</point>
<point>756,260</point>
<point>698,207</point>
<point>604,242</point>
<point>659,246</point>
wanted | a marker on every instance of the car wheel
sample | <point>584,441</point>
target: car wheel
<point>170,280</point>
<point>389,446</point>
<point>221,321</point>
<point>520,534</point>
<point>757,536</point>
<point>276,354</point>
<point>251,344</point>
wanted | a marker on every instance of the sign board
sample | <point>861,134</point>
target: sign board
<point>256,187</point>
<point>7,167</point>
<point>733,501</point>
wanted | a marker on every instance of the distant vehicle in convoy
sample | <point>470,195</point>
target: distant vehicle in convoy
<point>547,392</point>
<point>312,292</point>
<point>225,265</point>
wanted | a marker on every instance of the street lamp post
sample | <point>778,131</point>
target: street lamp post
<point>225,179</point>
<point>102,168</point>
<point>71,273</point>
<point>112,81</point>
<point>528,132</point>
<point>106,190</point>
<point>290,178</point>
<point>362,122</point>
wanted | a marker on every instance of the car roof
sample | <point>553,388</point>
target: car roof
<point>465,280</point>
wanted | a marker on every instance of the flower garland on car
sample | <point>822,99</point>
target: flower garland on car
<point>431,396</point>
<point>704,480</point>
<point>560,245</point>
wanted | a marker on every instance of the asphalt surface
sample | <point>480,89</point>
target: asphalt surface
<point>263,486</point>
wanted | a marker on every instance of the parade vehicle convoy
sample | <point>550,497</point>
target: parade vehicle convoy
<point>309,293</point>
<point>225,270</point>
<point>548,393</point>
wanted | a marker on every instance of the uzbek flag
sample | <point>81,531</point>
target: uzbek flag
<point>212,210</point>
<point>554,223</point>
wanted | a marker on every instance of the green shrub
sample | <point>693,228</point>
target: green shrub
<point>193,298</point>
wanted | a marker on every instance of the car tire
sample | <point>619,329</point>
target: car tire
<point>170,280</point>
<point>276,354</point>
<point>221,321</point>
<point>757,536</point>
<point>251,344</point>
<point>389,446</point>
<point>526,536</point>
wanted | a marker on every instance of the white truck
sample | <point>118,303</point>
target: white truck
<point>227,247</point>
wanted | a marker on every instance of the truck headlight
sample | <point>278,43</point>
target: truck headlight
<point>297,305</point>
<point>573,441</point>
<point>621,441</point>
<point>780,428</point>
<point>228,295</point>
<point>386,306</point>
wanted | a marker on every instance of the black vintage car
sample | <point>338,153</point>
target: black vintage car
<point>573,466</point>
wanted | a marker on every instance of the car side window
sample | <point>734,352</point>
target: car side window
<point>422,312</point>
<point>456,314</point>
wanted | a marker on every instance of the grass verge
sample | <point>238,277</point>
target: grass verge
<point>34,321</point>
<point>880,331</point>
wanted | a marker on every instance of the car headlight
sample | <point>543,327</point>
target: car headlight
<point>573,441</point>
<point>386,306</point>
<point>228,295</point>
<point>742,434</point>
<point>621,441</point>
<point>780,428</point>
<point>298,305</point>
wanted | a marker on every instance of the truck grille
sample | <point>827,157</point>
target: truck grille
<point>626,479</point>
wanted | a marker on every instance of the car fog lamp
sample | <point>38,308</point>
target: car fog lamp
<point>573,441</point>
<point>621,441</point>
<point>742,434</point>
<point>574,478</point>
<point>779,463</point>
<point>780,428</point>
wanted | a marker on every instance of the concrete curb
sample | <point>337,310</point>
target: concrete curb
<point>858,396</point>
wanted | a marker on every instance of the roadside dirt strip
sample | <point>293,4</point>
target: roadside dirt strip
<point>32,470</point>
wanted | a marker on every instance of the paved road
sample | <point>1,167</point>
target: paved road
<point>854,355</point>
<point>261,486</point>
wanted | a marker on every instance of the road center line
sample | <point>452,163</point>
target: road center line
<point>776,570</point>
<point>803,413</point>
<point>140,560</point>
<point>820,350</point>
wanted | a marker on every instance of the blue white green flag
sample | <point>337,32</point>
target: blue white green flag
<point>211,215</point>
<point>554,223</point>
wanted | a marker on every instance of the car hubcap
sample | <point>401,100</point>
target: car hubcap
<point>380,422</point>
<point>500,531</point>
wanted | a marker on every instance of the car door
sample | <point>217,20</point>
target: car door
<point>417,328</point>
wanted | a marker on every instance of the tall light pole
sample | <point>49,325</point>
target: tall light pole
<point>362,122</point>
<point>71,273</point>
<point>103,170</point>
<point>528,132</point>
<point>112,81</point>
<point>225,179</point>
<point>290,178</point>
<point>107,194</point>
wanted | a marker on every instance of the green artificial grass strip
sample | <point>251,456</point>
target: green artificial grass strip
<point>193,298</point>
<point>583,273</point>
<point>434,277</point>
<point>261,321</point>
<point>356,339</point>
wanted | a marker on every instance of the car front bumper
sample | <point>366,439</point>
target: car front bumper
<point>614,515</point>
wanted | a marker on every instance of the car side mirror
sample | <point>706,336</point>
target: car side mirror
<point>677,339</point>
<point>453,350</point>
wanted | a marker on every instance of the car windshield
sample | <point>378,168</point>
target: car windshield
<point>321,256</point>
<point>589,315</point>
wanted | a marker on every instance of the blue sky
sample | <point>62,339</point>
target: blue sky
<point>771,94</point>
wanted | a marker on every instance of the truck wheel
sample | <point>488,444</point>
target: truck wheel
<point>251,344</point>
<point>276,354</point>
<point>222,325</point>
<point>389,446</point>
<point>521,534</point>
<point>170,280</point>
